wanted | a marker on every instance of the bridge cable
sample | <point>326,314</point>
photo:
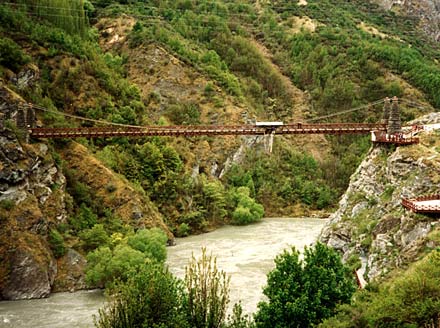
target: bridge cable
<point>347,111</point>
<point>83,118</point>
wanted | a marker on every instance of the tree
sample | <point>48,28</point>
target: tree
<point>247,210</point>
<point>94,237</point>
<point>208,292</point>
<point>302,293</point>
<point>150,242</point>
<point>151,297</point>
<point>106,265</point>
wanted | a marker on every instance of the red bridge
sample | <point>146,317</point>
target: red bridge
<point>208,130</point>
<point>423,204</point>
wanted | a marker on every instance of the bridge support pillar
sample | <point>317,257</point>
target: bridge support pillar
<point>394,124</point>
<point>386,110</point>
<point>268,141</point>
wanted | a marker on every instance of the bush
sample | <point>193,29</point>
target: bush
<point>151,297</point>
<point>11,55</point>
<point>411,299</point>
<point>183,230</point>
<point>56,242</point>
<point>7,204</point>
<point>302,293</point>
<point>105,265</point>
<point>208,292</point>
<point>247,210</point>
<point>94,237</point>
<point>85,218</point>
<point>151,242</point>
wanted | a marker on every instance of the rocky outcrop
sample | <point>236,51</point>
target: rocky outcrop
<point>428,11</point>
<point>371,222</point>
<point>71,275</point>
<point>31,202</point>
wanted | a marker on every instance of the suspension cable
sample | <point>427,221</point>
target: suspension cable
<point>347,111</point>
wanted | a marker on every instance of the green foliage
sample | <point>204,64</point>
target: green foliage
<point>183,230</point>
<point>208,292</point>
<point>182,114</point>
<point>11,54</point>
<point>411,299</point>
<point>302,293</point>
<point>94,237</point>
<point>238,319</point>
<point>151,242</point>
<point>7,204</point>
<point>151,297</point>
<point>56,243</point>
<point>84,219</point>
<point>247,210</point>
<point>282,179</point>
<point>106,264</point>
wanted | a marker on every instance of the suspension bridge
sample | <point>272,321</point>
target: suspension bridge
<point>389,130</point>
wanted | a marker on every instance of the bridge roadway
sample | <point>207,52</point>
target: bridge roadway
<point>206,130</point>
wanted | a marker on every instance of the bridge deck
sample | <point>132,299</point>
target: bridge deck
<point>424,204</point>
<point>208,130</point>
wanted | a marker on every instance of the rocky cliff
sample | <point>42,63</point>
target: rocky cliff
<point>32,200</point>
<point>428,11</point>
<point>371,223</point>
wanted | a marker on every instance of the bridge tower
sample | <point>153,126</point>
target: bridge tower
<point>386,110</point>
<point>2,121</point>
<point>394,124</point>
<point>31,118</point>
<point>20,119</point>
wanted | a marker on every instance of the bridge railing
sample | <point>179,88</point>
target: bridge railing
<point>195,130</point>
<point>411,204</point>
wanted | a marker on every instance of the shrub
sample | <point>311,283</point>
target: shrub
<point>301,293</point>
<point>183,230</point>
<point>7,204</point>
<point>151,297</point>
<point>105,265</point>
<point>94,237</point>
<point>56,243</point>
<point>247,210</point>
<point>85,218</point>
<point>208,292</point>
<point>151,242</point>
<point>11,55</point>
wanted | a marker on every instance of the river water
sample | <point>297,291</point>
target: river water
<point>245,253</point>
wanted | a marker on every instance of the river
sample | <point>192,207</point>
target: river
<point>245,253</point>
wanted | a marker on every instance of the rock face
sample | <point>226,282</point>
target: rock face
<point>371,223</point>
<point>427,10</point>
<point>31,202</point>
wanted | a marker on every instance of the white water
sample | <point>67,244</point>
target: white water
<point>246,253</point>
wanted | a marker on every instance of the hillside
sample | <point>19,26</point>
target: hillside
<point>179,63</point>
